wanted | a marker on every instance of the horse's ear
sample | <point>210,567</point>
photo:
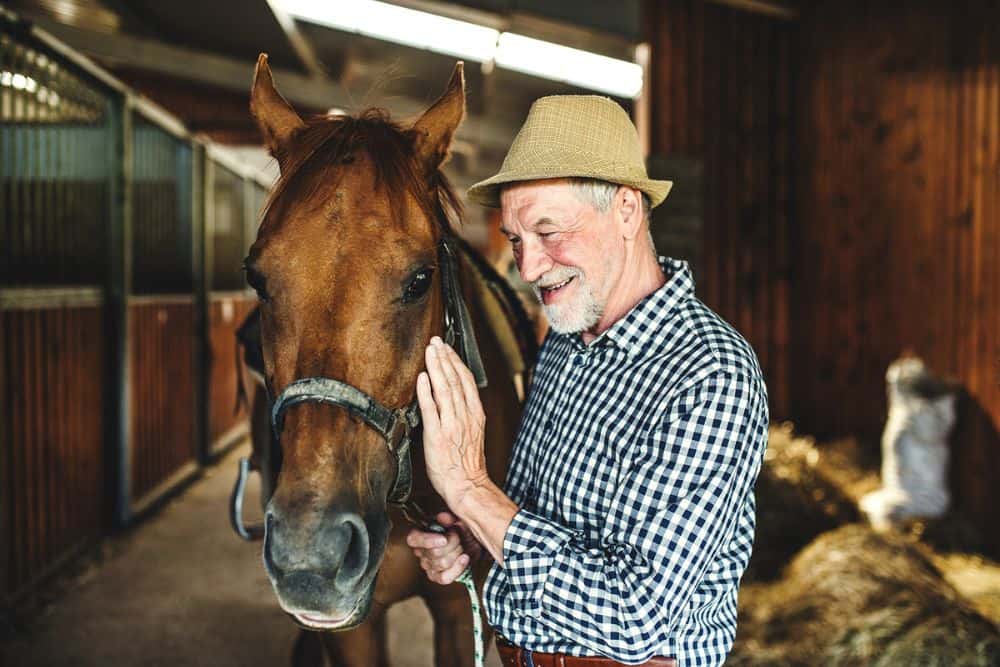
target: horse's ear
<point>436,128</point>
<point>275,117</point>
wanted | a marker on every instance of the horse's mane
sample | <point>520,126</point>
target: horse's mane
<point>328,140</point>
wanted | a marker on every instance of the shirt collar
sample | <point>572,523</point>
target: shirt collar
<point>639,326</point>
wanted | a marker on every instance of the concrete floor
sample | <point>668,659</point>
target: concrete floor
<point>183,590</point>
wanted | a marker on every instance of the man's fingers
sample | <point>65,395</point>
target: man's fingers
<point>429,416</point>
<point>446,519</point>
<point>419,539</point>
<point>447,358</point>
<point>441,559</point>
<point>434,545</point>
<point>451,574</point>
<point>444,397</point>
<point>470,392</point>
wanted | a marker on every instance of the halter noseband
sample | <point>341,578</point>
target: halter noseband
<point>395,425</point>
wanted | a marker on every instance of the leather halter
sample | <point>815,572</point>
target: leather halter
<point>395,425</point>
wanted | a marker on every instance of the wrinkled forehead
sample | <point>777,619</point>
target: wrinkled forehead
<point>528,205</point>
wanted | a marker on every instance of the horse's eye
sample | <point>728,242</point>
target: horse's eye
<point>257,282</point>
<point>418,285</point>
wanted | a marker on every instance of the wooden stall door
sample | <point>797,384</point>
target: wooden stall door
<point>52,472</point>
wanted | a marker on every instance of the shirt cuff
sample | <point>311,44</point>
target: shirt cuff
<point>530,547</point>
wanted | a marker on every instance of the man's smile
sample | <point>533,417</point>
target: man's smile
<point>550,293</point>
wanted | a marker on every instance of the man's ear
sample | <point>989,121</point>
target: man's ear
<point>275,117</point>
<point>628,203</point>
<point>436,127</point>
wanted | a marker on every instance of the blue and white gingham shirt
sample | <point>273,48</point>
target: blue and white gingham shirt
<point>634,471</point>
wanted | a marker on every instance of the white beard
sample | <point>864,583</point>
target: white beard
<point>574,315</point>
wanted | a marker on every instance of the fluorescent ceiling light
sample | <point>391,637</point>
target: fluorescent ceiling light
<point>399,24</point>
<point>472,42</point>
<point>562,63</point>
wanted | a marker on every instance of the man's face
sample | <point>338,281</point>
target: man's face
<point>566,249</point>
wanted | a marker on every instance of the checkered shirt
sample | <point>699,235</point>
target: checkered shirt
<point>634,470</point>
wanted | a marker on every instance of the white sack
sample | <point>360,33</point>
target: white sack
<point>914,447</point>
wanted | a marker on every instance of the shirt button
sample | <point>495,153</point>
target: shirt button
<point>580,360</point>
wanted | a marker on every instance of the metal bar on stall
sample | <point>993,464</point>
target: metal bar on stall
<point>199,273</point>
<point>121,272</point>
<point>208,184</point>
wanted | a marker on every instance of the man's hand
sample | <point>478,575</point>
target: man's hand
<point>444,557</point>
<point>454,449</point>
<point>454,424</point>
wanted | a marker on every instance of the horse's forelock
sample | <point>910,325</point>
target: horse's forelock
<point>328,140</point>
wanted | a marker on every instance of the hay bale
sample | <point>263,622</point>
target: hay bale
<point>796,501</point>
<point>855,597</point>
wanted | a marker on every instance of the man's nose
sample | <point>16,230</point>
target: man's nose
<point>532,260</point>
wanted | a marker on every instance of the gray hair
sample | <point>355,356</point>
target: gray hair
<point>602,193</point>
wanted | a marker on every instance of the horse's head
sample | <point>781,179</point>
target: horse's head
<point>346,268</point>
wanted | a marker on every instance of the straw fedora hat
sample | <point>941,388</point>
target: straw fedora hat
<point>586,136</point>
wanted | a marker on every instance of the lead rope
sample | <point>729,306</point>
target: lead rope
<point>477,621</point>
<point>417,516</point>
<point>470,586</point>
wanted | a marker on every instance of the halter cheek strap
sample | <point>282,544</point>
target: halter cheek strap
<point>457,321</point>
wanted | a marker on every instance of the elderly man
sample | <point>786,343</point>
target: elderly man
<point>627,517</point>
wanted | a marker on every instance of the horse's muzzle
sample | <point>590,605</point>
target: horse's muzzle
<point>324,574</point>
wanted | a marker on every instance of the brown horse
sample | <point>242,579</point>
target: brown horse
<point>348,266</point>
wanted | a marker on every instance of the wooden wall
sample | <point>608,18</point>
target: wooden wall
<point>852,201</point>
<point>899,219</point>
<point>720,92</point>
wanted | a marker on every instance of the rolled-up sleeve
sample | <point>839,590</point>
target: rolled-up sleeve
<point>675,508</point>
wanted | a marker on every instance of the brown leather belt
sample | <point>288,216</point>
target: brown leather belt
<point>515,656</point>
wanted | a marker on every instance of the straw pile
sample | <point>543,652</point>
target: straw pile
<point>856,597</point>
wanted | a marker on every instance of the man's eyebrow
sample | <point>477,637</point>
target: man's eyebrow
<point>545,221</point>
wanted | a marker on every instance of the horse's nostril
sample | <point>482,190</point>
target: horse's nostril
<point>353,534</point>
<point>269,546</point>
